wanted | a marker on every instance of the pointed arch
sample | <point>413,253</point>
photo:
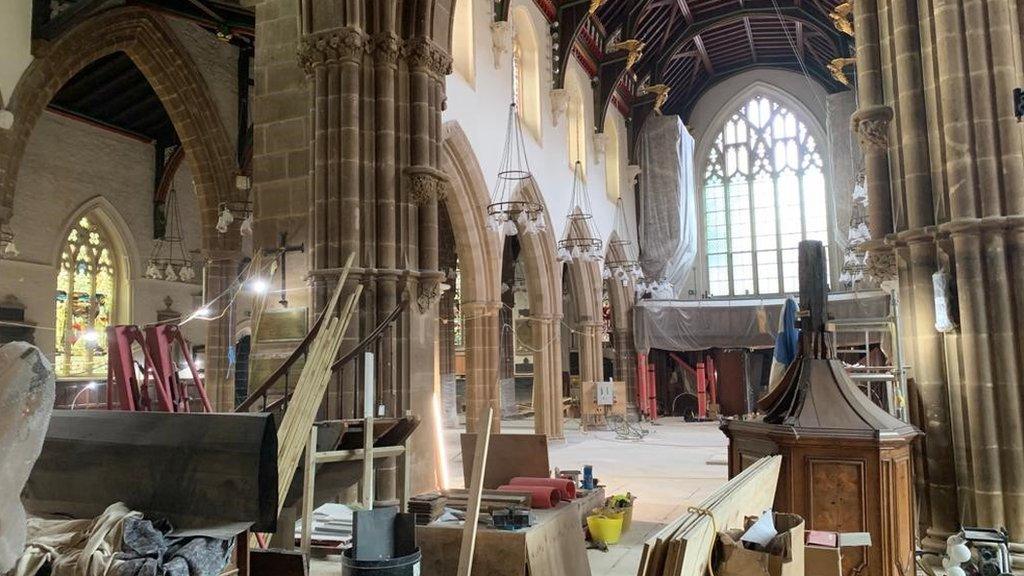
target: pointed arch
<point>526,59</point>
<point>165,63</point>
<point>544,288</point>
<point>93,265</point>
<point>479,254</point>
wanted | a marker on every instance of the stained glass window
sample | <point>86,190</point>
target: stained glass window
<point>764,192</point>
<point>86,285</point>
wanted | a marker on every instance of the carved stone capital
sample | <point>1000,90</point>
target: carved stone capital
<point>386,48</point>
<point>424,54</point>
<point>559,104</point>
<point>428,293</point>
<point>329,46</point>
<point>871,125</point>
<point>880,265</point>
<point>426,184</point>
<point>501,40</point>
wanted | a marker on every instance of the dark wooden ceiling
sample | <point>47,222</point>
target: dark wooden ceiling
<point>693,44</point>
<point>113,92</point>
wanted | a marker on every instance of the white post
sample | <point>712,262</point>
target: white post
<point>369,400</point>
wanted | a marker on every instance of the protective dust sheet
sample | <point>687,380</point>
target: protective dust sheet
<point>685,326</point>
<point>668,223</point>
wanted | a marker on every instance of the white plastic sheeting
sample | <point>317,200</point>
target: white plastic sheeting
<point>668,221</point>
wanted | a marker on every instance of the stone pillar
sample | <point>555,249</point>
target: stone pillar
<point>482,332</point>
<point>591,359</point>
<point>962,166</point>
<point>547,376</point>
<point>221,271</point>
<point>925,345</point>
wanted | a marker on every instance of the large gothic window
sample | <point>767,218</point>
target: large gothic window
<point>764,192</point>
<point>86,288</point>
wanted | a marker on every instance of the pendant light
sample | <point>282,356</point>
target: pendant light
<point>582,242</point>
<point>509,213</point>
<point>169,259</point>
<point>623,267</point>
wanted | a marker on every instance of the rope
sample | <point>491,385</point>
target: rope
<point>714,529</point>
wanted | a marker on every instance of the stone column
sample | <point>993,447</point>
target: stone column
<point>481,331</point>
<point>547,379</point>
<point>926,348</point>
<point>221,271</point>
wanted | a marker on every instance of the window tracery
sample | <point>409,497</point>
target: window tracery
<point>85,299</point>
<point>764,192</point>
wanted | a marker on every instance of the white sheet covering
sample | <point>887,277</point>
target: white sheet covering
<point>668,223</point>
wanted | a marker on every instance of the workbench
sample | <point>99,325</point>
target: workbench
<point>552,546</point>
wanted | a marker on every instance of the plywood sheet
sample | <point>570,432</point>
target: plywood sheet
<point>510,455</point>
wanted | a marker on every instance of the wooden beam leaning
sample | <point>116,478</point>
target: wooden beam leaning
<point>476,486</point>
<point>293,434</point>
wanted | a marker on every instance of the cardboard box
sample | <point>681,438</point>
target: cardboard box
<point>784,555</point>
<point>823,561</point>
<point>827,560</point>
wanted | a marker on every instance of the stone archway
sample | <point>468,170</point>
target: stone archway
<point>621,298</point>
<point>544,287</point>
<point>585,284</point>
<point>165,63</point>
<point>156,51</point>
<point>479,255</point>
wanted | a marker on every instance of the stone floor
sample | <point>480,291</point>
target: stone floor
<point>675,466</point>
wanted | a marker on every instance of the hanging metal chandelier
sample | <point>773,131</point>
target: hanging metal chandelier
<point>169,259</point>
<point>508,212</point>
<point>582,242</point>
<point>622,266</point>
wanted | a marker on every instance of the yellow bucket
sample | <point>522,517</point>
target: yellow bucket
<point>605,528</point>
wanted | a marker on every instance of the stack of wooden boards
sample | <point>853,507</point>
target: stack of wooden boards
<point>427,507</point>
<point>683,547</point>
<point>489,499</point>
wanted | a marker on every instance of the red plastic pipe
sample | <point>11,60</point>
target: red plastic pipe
<point>542,496</point>
<point>566,488</point>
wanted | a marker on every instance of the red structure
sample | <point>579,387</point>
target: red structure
<point>125,389</point>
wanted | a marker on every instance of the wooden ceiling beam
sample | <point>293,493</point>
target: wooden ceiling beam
<point>703,53</point>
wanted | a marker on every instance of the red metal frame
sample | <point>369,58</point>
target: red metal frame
<point>126,392</point>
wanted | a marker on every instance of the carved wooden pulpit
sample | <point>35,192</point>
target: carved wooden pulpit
<point>846,462</point>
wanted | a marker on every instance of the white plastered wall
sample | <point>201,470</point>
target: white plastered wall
<point>481,110</point>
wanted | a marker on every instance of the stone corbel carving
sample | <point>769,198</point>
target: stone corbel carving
<point>6,119</point>
<point>501,40</point>
<point>426,184</point>
<point>424,54</point>
<point>7,247</point>
<point>880,265</point>
<point>600,145</point>
<point>331,46</point>
<point>872,127</point>
<point>428,293</point>
<point>559,104</point>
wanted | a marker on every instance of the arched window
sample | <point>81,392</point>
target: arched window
<point>87,283</point>
<point>577,125</point>
<point>612,160</point>
<point>764,192</point>
<point>463,58</point>
<point>526,71</point>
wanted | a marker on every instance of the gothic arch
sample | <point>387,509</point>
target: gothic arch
<point>128,258</point>
<point>544,287</point>
<point>156,51</point>
<point>479,256</point>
